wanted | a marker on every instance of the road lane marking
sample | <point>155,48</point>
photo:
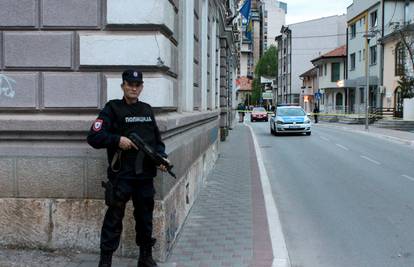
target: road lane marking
<point>408,177</point>
<point>343,147</point>
<point>369,159</point>
<point>324,138</point>
<point>279,248</point>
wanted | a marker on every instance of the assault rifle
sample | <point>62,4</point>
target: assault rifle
<point>145,149</point>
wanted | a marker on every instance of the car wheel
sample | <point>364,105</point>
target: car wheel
<point>272,132</point>
<point>308,133</point>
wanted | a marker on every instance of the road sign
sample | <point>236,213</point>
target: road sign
<point>267,95</point>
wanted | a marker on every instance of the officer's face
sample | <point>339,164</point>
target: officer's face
<point>132,90</point>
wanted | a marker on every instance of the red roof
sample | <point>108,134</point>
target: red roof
<point>244,83</point>
<point>337,52</point>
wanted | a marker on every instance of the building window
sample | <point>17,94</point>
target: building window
<point>359,55</point>
<point>325,70</point>
<point>374,19</point>
<point>363,54</point>
<point>353,31</point>
<point>352,60</point>
<point>373,55</point>
<point>321,71</point>
<point>399,59</point>
<point>407,12</point>
<point>336,71</point>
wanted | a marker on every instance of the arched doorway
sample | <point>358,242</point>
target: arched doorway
<point>398,103</point>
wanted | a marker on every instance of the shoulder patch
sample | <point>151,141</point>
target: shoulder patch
<point>97,125</point>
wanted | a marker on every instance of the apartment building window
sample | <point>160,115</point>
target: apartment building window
<point>353,31</point>
<point>374,19</point>
<point>325,70</point>
<point>407,12</point>
<point>321,70</point>
<point>373,55</point>
<point>399,59</point>
<point>336,71</point>
<point>359,55</point>
<point>352,60</point>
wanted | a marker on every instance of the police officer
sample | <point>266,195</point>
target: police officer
<point>110,130</point>
<point>316,113</point>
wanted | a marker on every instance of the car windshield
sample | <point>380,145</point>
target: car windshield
<point>259,110</point>
<point>290,112</point>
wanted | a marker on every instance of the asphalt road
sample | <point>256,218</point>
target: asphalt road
<point>344,199</point>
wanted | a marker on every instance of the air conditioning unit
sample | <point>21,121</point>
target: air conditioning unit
<point>382,89</point>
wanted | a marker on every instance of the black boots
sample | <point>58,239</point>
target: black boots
<point>106,259</point>
<point>145,257</point>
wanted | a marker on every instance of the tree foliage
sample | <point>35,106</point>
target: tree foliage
<point>266,66</point>
<point>406,86</point>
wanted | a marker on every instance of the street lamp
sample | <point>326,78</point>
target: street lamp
<point>367,36</point>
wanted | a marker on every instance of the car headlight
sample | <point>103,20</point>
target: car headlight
<point>307,121</point>
<point>279,122</point>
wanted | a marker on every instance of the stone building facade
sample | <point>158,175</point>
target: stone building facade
<point>60,62</point>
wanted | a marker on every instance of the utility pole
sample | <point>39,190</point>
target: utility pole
<point>367,50</point>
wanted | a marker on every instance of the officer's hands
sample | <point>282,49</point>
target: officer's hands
<point>126,144</point>
<point>163,167</point>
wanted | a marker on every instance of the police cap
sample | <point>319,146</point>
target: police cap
<point>132,76</point>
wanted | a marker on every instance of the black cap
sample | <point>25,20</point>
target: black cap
<point>132,76</point>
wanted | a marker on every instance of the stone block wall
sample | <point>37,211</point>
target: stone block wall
<point>60,62</point>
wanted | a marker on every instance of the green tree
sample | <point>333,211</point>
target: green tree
<point>266,66</point>
<point>406,86</point>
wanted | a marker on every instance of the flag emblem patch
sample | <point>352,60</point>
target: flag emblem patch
<point>97,125</point>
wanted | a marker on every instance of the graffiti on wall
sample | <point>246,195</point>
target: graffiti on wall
<point>7,86</point>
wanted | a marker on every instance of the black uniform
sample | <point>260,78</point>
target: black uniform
<point>315,113</point>
<point>120,119</point>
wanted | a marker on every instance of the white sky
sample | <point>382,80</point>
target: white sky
<point>302,10</point>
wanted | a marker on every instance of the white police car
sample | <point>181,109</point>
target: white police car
<point>290,119</point>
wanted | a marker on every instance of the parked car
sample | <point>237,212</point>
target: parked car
<point>259,114</point>
<point>290,119</point>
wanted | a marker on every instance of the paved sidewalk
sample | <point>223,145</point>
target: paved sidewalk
<point>393,135</point>
<point>227,226</point>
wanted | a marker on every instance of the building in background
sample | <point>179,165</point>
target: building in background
<point>363,17</point>
<point>244,92</point>
<point>331,95</point>
<point>298,44</point>
<point>398,23</point>
<point>251,48</point>
<point>274,17</point>
<point>58,69</point>
<point>309,89</point>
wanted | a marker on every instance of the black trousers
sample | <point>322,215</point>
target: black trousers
<point>142,194</point>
